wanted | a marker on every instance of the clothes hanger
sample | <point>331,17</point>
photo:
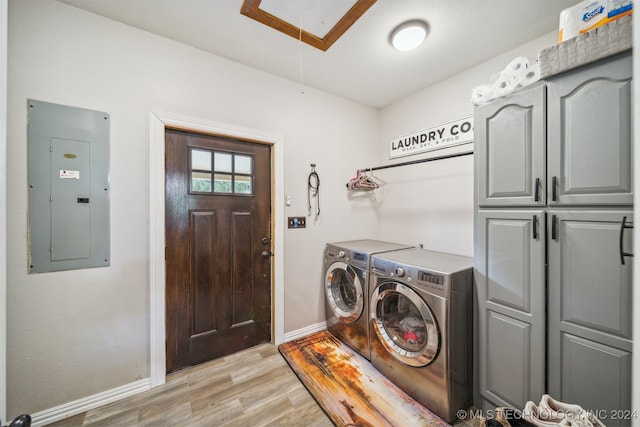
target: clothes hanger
<point>363,182</point>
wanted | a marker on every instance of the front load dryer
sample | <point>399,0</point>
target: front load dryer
<point>346,289</point>
<point>421,326</point>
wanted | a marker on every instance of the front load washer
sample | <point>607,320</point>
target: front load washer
<point>421,326</point>
<point>346,289</point>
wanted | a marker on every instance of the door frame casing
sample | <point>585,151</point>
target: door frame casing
<point>158,122</point>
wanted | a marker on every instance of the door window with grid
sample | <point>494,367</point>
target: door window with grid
<point>221,172</point>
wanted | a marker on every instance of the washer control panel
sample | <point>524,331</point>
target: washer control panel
<point>431,281</point>
<point>436,279</point>
<point>359,256</point>
<point>357,259</point>
<point>428,280</point>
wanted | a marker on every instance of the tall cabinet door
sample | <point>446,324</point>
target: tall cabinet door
<point>590,310</point>
<point>509,268</point>
<point>589,135</point>
<point>510,150</point>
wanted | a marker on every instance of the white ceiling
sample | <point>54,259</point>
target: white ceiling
<point>315,17</point>
<point>361,65</point>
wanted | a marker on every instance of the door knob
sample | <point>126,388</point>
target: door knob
<point>266,254</point>
<point>265,240</point>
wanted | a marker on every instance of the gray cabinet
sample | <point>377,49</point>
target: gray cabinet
<point>509,268</point>
<point>509,262</point>
<point>553,178</point>
<point>589,135</point>
<point>510,152</point>
<point>590,309</point>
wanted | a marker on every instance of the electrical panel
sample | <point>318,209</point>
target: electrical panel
<point>68,180</point>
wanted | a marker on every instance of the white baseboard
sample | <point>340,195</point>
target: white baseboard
<point>307,330</point>
<point>85,404</point>
<point>76,407</point>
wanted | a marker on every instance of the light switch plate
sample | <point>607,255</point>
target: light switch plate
<point>297,222</point>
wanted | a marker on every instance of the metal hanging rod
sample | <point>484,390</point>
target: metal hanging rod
<point>413,162</point>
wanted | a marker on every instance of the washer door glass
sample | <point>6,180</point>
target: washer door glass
<point>344,292</point>
<point>404,324</point>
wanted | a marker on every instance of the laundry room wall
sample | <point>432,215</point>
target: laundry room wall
<point>3,207</point>
<point>75,334</point>
<point>432,203</point>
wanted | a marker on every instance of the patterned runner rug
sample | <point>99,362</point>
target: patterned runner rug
<point>349,389</point>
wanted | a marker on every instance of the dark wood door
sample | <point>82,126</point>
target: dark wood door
<point>218,246</point>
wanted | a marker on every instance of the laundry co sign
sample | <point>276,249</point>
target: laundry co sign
<point>435,138</point>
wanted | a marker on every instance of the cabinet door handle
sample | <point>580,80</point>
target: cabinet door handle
<point>536,192</point>
<point>624,225</point>
<point>535,227</point>
<point>554,232</point>
<point>554,184</point>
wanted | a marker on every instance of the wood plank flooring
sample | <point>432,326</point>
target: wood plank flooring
<point>254,387</point>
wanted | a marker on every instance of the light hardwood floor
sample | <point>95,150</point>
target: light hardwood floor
<point>254,387</point>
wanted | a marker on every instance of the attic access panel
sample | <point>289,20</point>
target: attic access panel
<point>68,174</point>
<point>251,8</point>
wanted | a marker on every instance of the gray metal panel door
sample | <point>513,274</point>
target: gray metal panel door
<point>510,150</point>
<point>590,309</point>
<point>509,270</point>
<point>589,135</point>
<point>68,173</point>
<point>70,197</point>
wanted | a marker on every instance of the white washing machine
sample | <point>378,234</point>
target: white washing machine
<point>421,326</point>
<point>346,288</point>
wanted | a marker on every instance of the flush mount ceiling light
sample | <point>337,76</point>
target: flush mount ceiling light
<point>409,35</point>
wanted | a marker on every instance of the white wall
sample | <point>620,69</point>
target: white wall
<point>432,203</point>
<point>3,209</point>
<point>334,141</point>
<point>74,334</point>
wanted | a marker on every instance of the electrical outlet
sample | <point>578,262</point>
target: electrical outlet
<point>297,222</point>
